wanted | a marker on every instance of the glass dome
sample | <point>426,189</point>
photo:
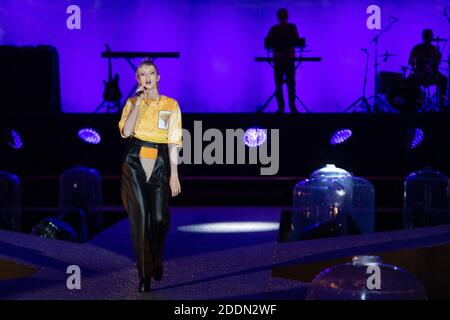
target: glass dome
<point>319,206</point>
<point>10,214</point>
<point>332,203</point>
<point>361,218</point>
<point>77,219</point>
<point>365,278</point>
<point>426,199</point>
<point>81,188</point>
<point>54,229</point>
<point>331,171</point>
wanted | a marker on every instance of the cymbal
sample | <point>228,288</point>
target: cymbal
<point>387,54</point>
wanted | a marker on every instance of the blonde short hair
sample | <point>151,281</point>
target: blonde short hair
<point>145,62</point>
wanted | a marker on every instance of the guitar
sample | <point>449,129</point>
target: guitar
<point>111,93</point>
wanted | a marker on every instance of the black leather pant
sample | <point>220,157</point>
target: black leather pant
<point>146,204</point>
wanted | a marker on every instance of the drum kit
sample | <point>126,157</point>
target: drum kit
<point>403,92</point>
<point>411,92</point>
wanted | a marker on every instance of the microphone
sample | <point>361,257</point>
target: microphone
<point>394,18</point>
<point>140,92</point>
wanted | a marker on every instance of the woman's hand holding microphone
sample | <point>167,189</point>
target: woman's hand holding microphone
<point>130,123</point>
<point>140,93</point>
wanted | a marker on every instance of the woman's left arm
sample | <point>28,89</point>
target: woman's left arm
<point>175,137</point>
<point>174,182</point>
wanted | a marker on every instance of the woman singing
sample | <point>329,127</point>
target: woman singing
<point>149,170</point>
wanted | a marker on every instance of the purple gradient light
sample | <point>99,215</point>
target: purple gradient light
<point>16,140</point>
<point>89,135</point>
<point>218,41</point>
<point>340,136</point>
<point>254,137</point>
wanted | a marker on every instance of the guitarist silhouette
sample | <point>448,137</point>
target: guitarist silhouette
<point>111,93</point>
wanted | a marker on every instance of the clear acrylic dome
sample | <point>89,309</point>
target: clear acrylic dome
<point>365,278</point>
<point>330,171</point>
<point>426,199</point>
<point>55,229</point>
<point>332,203</point>
<point>10,213</point>
<point>361,218</point>
<point>319,206</point>
<point>81,188</point>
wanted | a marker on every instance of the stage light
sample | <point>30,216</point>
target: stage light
<point>254,137</point>
<point>15,140</point>
<point>231,227</point>
<point>340,136</point>
<point>415,138</point>
<point>89,135</point>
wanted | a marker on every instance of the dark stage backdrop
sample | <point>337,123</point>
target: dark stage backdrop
<point>217,41</point>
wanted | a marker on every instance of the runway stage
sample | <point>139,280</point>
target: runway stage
<point>205,266</point>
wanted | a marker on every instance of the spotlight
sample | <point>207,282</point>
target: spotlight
<point>15,141</point>
<point>340,136</point>
<point>414,138</point>
<point>254,137</point>
<point>89,135</point>
<point>231,227</point>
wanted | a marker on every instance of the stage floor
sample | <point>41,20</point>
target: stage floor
<point>197,265</point>
<point>205,266</point>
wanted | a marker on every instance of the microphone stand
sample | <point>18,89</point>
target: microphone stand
<point>448,81</point>
<point>363,98</point>
<point>375,40</point>
<point>438,77</point>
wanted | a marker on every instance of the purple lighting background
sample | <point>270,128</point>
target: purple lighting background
<point>218,41</point>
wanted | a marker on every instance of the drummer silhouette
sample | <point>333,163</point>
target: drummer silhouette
<point>424,59</point>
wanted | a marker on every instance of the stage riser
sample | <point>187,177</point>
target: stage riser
<point>376,148</point>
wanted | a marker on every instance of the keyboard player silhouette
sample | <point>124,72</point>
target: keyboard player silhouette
<point>281,39</point>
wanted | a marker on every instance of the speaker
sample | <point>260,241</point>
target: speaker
<point>29,79</point>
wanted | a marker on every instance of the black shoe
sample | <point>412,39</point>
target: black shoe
<point>145,285</point>
<point>158,272</point>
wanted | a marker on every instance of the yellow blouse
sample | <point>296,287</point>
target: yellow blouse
<point>158,122</point>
